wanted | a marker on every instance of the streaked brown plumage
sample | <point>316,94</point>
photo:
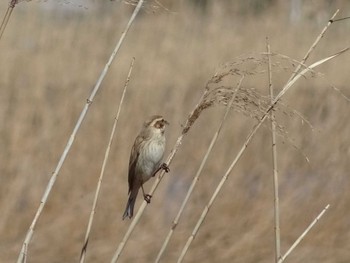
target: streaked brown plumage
<point>145,159</point>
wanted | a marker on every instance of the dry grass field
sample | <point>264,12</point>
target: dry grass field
<point>51,56</point>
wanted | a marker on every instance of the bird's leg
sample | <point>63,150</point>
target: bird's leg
<point>147,197</point>
<point>164,167</point>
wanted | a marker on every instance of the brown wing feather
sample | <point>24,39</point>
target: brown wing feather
<point>134,155</point>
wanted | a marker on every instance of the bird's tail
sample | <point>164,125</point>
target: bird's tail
<point>129,210</point>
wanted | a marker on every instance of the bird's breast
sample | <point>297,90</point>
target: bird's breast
<point>150,158</point>
<point>155,151</point>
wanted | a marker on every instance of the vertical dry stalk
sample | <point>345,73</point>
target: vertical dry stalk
<point>53,178</point>
<point>196,178</point>
<point>300,238</point>
<point>189,122</point>
<point>245,145</point>
<point>274,158</point>
<point>93,210</point>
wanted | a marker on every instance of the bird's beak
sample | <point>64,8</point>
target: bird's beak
<point>166,122</point>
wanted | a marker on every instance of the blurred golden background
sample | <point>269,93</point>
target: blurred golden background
<point>52,54</point>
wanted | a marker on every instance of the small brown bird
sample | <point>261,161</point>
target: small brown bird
<point>145,158</point>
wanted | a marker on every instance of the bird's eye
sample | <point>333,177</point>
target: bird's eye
<point>159,124</point>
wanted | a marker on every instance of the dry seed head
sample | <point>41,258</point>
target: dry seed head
<point>249,101</point>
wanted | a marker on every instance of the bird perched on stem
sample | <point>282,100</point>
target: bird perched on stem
<point>145,159</point>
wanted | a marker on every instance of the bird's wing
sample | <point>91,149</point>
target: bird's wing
<point>134,155</point>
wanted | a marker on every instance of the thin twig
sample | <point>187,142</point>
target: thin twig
<point>274,158</point>
<point>93,210</point>
<point>245,145</point>
<point>7,16</point>
<point>187,126</point>
<point>72,137</point>
<point>300,238</point>
<point>341,93</point>
<point>196,178</point>
<point>339,19</point>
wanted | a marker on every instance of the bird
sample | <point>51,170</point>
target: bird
<point>145,159</point>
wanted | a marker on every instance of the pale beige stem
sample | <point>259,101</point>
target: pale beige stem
<point>196,178</point>
<point>245,145</point>
<point>7,16</point>
<point>303,72</point>
<point>72,137</point>
<point>274,163</point>
<point>172,154</point>
<point>300,238</point>
<point>93,210</point>
<point>313,46</point>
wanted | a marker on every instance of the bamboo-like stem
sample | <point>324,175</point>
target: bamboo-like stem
<point>245,145</point>
<point>158,179</point>
<point>72,137</point>
<point>301,73</point>
<point>300,238</point>
<point>274,160</point>
<point>93,210</point>
<point>313,46</point>
<point>196,178</point>
<point>7,16</point>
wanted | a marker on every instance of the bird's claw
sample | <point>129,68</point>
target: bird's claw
<point>165,167</point>
<point>147,198</point>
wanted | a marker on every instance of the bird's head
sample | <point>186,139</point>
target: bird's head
<point>157,123</point>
